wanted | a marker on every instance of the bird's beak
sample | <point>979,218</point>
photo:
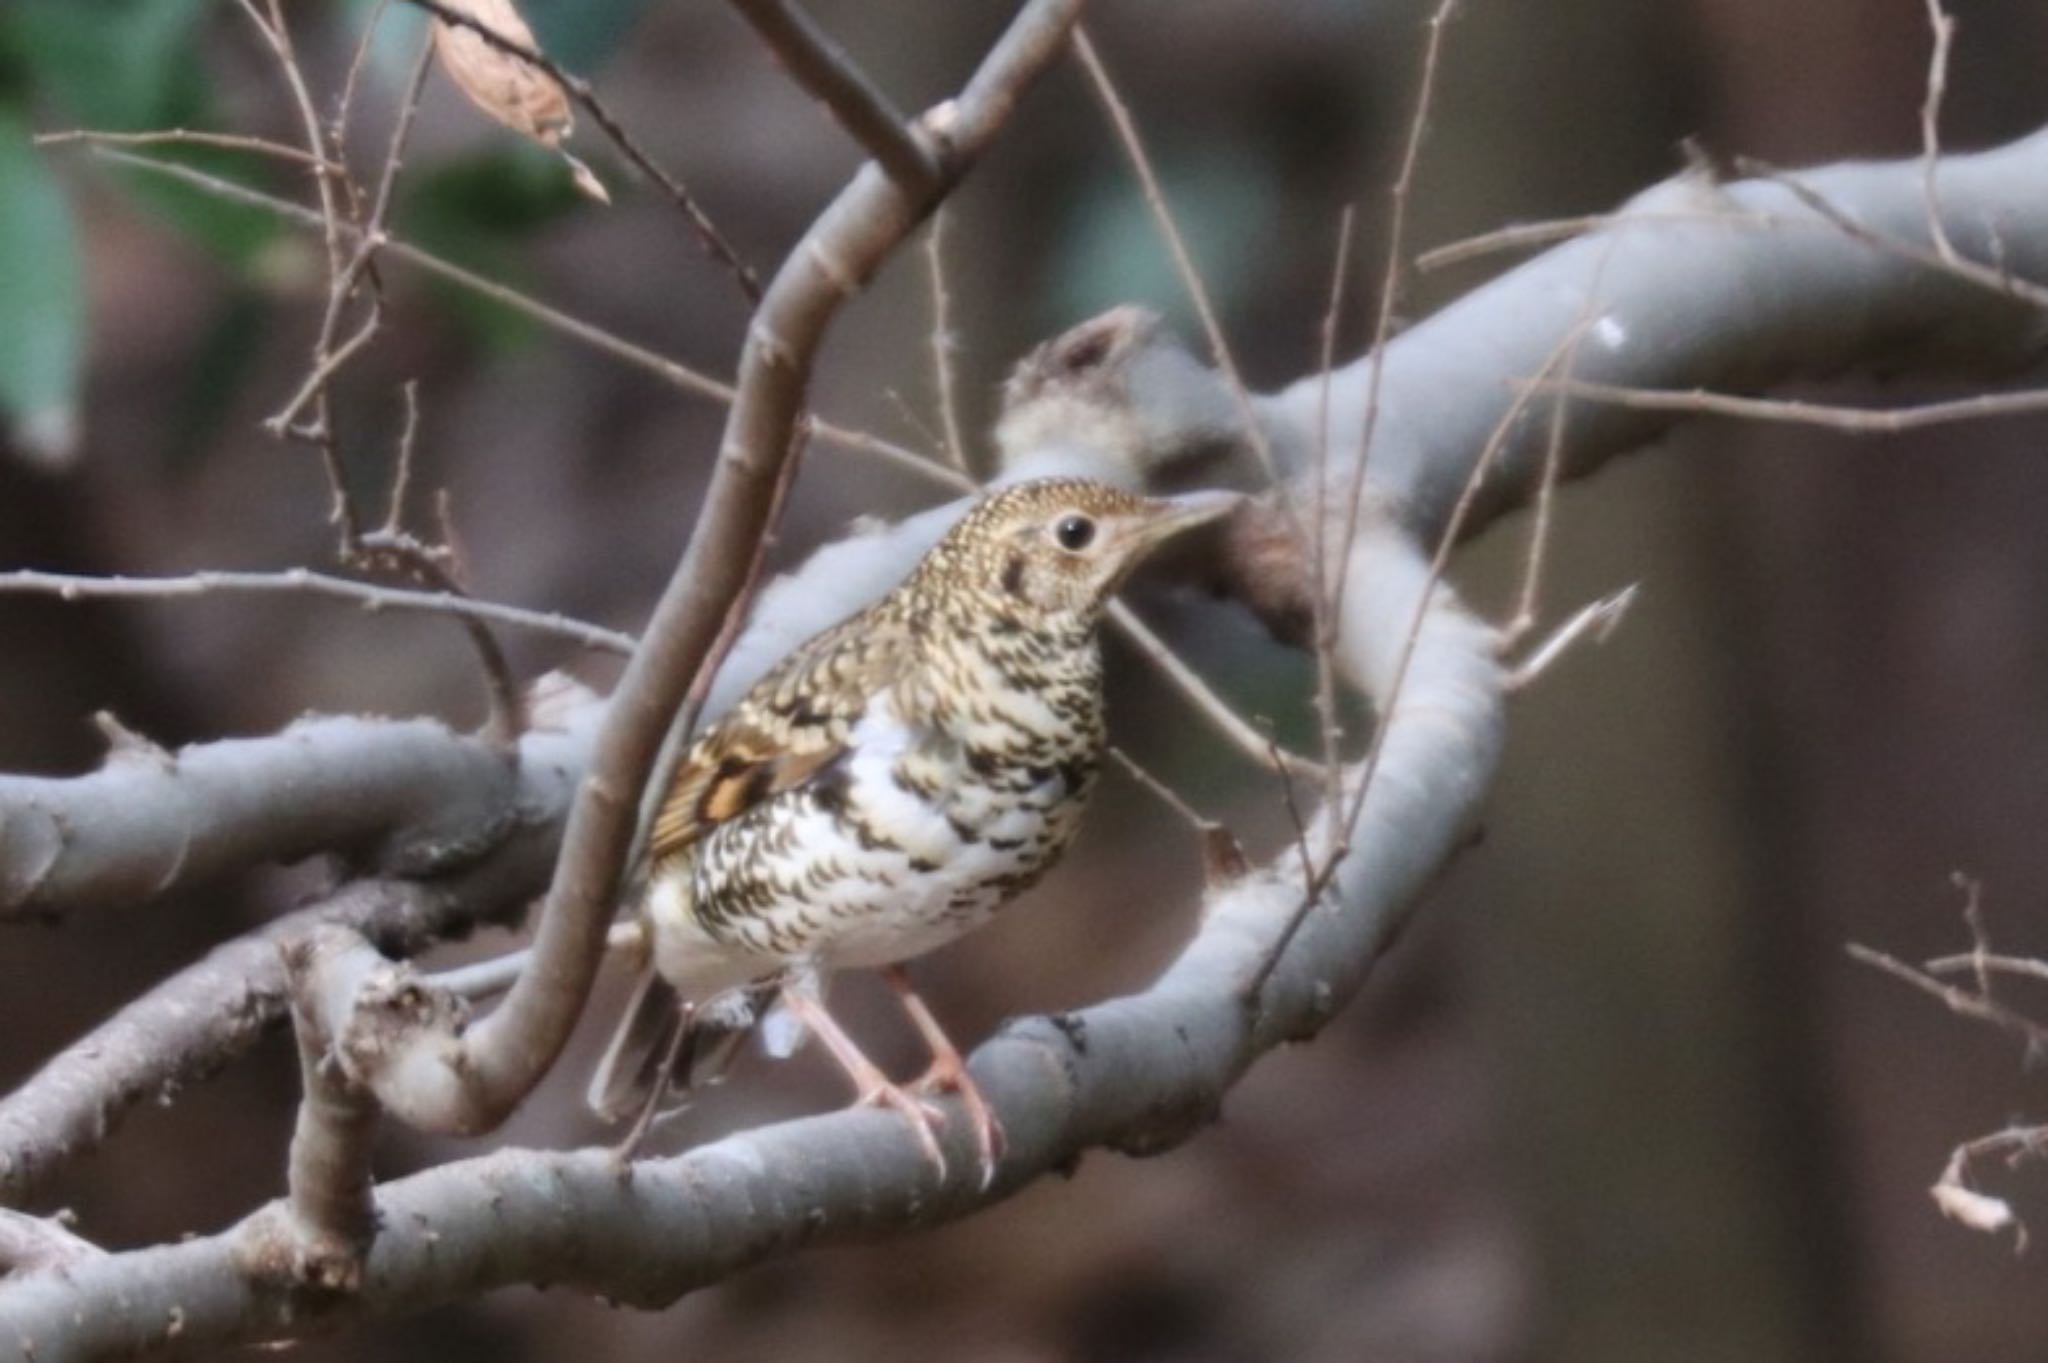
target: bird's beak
<point>1168,516</point>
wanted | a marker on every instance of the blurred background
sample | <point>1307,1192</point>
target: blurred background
<point>1618,1095</point>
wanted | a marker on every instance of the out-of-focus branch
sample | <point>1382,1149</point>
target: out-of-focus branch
<point>679,376</point>
<point>822,67</point>
<point>480,1076</point>
<point>404,797</point>
<point>209,1014</point>
<point>305,582</point>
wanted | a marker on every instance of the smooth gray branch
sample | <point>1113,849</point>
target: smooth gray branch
<point>399,797</point>
<point>822,67</point>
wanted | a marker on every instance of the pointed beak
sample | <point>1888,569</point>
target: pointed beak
<point>1168,516</point>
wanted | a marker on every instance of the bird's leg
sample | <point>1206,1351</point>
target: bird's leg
<point>871,1086</point>
<point>948,1072</point>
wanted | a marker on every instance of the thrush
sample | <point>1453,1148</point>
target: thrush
<point>889,786</point>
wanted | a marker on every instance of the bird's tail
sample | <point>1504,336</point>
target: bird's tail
<point>665,1046</point>
<point>633,1074</point>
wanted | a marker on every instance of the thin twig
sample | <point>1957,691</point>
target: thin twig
<point>1943,27</point>
<point>1527,605</point>
<point>261,146</point>
<point>579,89</point>
<point>652,362</point>
<point>942,343</point>
<point>304,582</point>
<point>1796,411</point>
<point>1958,266</point>
<point>1390,291</point>
<point>1312,891</point>
<point>1324,652</point>
<point>1520,236</point>
<point>823,68</point>
<point>1959,1001</point>
<point>1177,247</point>
<point>1980,963</point>
<point>1222,716</point>
<point>344,104</point>
<point>401,473</point>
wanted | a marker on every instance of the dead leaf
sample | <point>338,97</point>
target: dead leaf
<point>510,89</point>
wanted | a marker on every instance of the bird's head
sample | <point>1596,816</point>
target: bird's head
<point>1057,547</point>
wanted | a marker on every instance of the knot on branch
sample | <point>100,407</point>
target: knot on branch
<point>389,1031</point>
<point>280,1250</point>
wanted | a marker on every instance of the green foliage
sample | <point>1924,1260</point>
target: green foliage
<point>42,300</point>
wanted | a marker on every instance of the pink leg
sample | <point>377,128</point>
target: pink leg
<point>870,1085</point>
<point>948,1072</point>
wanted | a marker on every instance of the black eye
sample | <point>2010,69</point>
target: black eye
<point>1074,533</point>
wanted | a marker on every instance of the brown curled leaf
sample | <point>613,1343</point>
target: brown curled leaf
<point>510,89</point>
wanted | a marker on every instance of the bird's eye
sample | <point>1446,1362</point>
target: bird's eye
<point>1074,533</point>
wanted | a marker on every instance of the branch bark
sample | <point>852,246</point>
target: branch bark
<point>400,797</point>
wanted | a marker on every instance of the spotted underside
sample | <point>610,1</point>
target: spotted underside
<point>885,790</point>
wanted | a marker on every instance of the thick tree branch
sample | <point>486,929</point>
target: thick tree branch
<point>401,797</point>
<point>210,1013</point>
<point>1709,300</point>
<point>818,64</point>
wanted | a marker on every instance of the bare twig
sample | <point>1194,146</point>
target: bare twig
<point>1797,411</point>
<point>1390,288</point>
<point>1177,247</point>
<point>823,68</point>
<point>1943,27</point>
<point>1996,279</point>
<point>187,137</point>
<point>942,342</point>
<point>651,362</point>
<point>1218,712</point>
<point>1523,235</point>
<point>1319,546</point>
<point>1959,1001</point>
<point>305,582</point>
<point>1980,963</point>
<point>1595,622</point>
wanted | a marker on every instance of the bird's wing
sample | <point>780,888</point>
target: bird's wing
<point>794,721</point>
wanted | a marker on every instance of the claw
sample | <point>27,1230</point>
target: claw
<point>871,1087</point>
<point>926,1119</point>
<point>948,1074</point>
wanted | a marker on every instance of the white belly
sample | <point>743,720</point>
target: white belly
<point>873,875</point>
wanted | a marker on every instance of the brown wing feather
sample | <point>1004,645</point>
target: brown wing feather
<point>794,721</point>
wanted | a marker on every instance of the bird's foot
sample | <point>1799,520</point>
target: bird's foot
<point>926,1119</point>
<point>949,1075</point>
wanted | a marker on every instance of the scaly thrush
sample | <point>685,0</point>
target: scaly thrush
<point>891,784</point>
